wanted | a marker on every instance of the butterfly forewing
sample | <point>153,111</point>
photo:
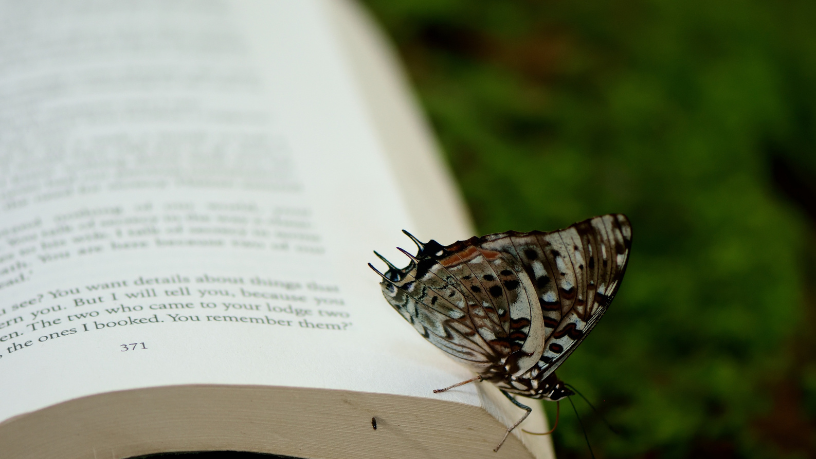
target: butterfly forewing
<point>514,305</point>
<point>597,257</point>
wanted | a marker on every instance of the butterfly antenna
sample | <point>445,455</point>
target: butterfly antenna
<point>386,261</point>
<point>413,258</point>
<point>572,388</point>
<point>557,416</point>
<point>420,245</point>
<point>381,274</point>
<point>582,427</point>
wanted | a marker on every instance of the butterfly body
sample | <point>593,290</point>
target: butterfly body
<point>513,306</point>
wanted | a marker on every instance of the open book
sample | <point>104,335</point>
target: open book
<point>189,195</point>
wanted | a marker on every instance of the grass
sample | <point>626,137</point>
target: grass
<point>697,120</point>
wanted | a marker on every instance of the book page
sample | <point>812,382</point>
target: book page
<point>189,194</point>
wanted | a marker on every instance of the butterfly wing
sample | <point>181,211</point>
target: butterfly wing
<point>478,305</point>
<point>513,305</point>
<point>576,273</point>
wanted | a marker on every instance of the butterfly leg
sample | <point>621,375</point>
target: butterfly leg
<point>478,378</point>
<point>523,407</point>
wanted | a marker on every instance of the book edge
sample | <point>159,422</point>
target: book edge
<point>289,421</point>
<point>428,186</point>
<point>406,139</point>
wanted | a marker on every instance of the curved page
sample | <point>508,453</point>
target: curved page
<point>189,194</point>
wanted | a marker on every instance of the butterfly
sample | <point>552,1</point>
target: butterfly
<point>513,306</point>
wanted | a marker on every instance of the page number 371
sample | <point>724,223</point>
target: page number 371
<point>132,346</point>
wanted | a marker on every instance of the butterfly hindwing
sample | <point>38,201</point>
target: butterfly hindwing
<point>502,304</point>
<point>475,304</point>
<point>439,316</point>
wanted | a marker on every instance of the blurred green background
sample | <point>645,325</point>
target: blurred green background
<point>697,119</point>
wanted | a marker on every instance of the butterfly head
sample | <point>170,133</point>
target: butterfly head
<point>553,389</point>
<point>559,391</point>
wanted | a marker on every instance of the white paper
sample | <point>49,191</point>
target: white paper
<point>189,194</point>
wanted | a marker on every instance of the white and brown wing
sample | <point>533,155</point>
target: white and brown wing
<point>513,305</point>
<point>576,273</point>
<point>476,304</point>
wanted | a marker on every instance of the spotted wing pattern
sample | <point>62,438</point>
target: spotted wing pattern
<point>513,305</point>
<point>576,273</point>
<point>475,304</point>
